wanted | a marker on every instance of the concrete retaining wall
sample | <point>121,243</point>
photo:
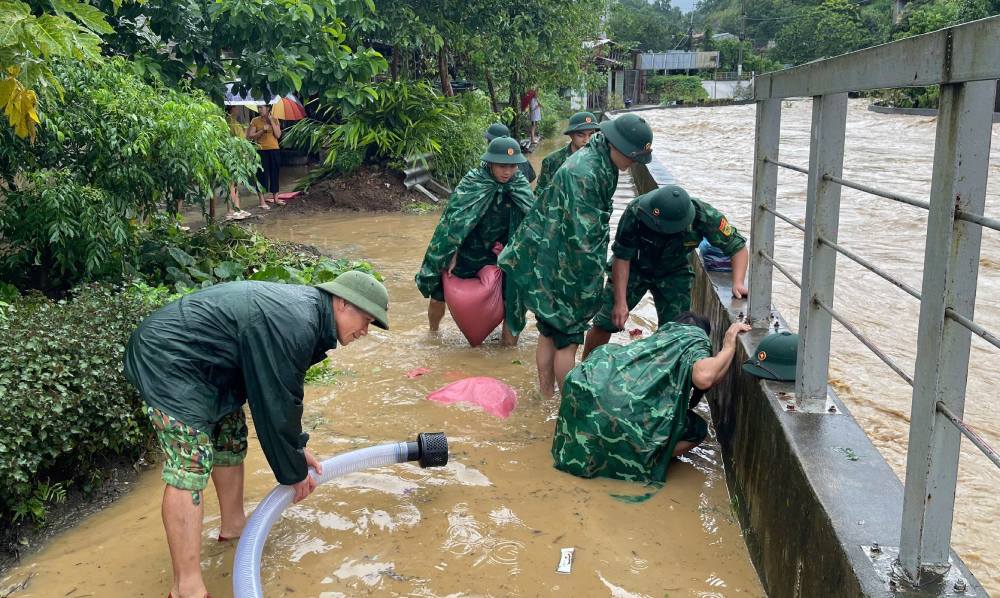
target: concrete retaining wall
<point>810,489</point>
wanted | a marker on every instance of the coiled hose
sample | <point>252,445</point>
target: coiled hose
<point>430,449</point>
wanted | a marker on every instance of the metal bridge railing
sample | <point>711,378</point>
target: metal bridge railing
<point>965,62</point>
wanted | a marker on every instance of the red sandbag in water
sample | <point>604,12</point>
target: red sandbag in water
<point>495,397</point>
<point>476,304</point>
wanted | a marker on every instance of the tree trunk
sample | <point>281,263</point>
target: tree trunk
<point>394,65</point>
<point>514,129</point>
<point>493,92</point>
<point>443,71</point>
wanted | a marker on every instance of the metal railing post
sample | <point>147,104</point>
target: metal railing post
<point>951,268</point>
<point>765,186</point>
<point>819,261</point>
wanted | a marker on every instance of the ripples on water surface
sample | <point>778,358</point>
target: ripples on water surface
<point>710,151</point>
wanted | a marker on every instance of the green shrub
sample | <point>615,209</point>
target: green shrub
<point>675,88</point>
<point>187,261</point>
<point>64,403</point>
<point>73,229</point>
<point>110,148</point>
<point>465,135</point>
<point>401,121</point>
<point>555,109</point>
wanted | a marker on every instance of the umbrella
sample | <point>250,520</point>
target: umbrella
<point>239,100</point>
<point>285,108</point>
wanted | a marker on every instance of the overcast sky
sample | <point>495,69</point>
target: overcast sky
<point>685,5</point>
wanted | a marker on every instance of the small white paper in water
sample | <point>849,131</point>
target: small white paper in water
<point>565,561</point>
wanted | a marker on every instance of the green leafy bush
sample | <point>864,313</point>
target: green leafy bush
<point>554,110</point>
<point>125,148</point>
<point>465,135</point>
<point>72,228</point>
<point>675,88</point>
<point>187,261</point>
<point>401,121</point>
<point>64,403</point>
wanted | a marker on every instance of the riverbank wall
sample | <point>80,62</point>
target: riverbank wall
<point>819,506</point>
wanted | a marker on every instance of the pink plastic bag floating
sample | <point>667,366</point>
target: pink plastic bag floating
<point>476,304</point>
<point>495,397</point>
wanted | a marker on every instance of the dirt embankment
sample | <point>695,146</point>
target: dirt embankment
<point>372,189</point>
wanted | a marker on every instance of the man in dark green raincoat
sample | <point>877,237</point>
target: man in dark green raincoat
<point>196,361</point>
<point>556,259</point>
<point>485,209</point>
<point>656,233</point>
<point>627,411</point>
<point>581,126</point>
<point>500,130</point>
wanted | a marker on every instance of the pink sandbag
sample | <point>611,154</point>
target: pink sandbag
<point>495,397</point>
<point>476,304</point>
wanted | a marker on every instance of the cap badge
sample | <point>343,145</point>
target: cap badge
<point>510,151</point>
<point>649,147</point>
<point>656,211</point>
<point>761,356</point>
<point>588,119</point>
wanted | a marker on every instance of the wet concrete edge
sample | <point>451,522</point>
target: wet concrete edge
<point>807,509</point>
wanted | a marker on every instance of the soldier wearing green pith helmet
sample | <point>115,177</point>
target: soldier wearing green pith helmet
<point>556,258</point>
<point>655,234</point>
<point>582,126</point>
<point>198,360</point>
<point>485,209</point>
<point>500,130</point>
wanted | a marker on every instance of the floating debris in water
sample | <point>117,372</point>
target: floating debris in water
<point>565,561</point>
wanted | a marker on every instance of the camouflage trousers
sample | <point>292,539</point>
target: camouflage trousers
<point>671,295</point>
<point>191,454</point>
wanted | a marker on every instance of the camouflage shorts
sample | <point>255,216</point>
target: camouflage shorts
<point>191,454</point>
<point>671,295</point>
<point>559,338</point>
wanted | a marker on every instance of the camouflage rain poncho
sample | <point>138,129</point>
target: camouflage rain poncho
<point>476,193</point>
<point>556,259</point>
<point>624,409</point>
<point>551,164</point>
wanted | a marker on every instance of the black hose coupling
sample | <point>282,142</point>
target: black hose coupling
<point>430,449</point>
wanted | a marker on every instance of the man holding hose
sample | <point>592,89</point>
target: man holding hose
<point>196,361</point>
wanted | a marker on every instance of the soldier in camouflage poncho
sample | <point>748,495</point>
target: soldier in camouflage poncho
<point>485,209</point>
<point>556,258</point>
<point>625,411</point>
<point>581,126</point>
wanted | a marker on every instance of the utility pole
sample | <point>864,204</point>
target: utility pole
<point>743,29</point>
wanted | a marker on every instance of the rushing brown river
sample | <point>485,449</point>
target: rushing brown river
<point>489,524</point>
<point>710,151</point>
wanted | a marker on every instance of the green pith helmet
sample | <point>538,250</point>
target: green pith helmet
<point>363,291</point>
<point>582,121</point>
<point>497,130</point>
<point>504,150</point>
<point>775,357</point>
<point>666,210</point>
<point>631,136</point>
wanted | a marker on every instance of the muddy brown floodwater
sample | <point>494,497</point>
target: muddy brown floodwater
<point>489,524</point>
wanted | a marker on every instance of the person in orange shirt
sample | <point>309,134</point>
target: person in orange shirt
<point>265,131</point>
